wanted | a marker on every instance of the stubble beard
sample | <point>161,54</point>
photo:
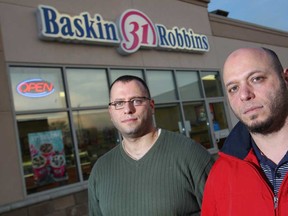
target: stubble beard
<point>136,131</point>
<point>278,114</point>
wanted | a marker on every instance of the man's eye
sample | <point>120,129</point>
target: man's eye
<point>119,103</point>
<point>232,89</point>
<point>137,101</point>
<point>257,79</point>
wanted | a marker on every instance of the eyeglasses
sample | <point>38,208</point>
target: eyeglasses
<point>137,101</point>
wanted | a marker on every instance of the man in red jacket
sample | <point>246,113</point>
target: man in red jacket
<point>250,176</point>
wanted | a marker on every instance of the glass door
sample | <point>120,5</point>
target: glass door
<point>219,121</point>
<point>197,123</point>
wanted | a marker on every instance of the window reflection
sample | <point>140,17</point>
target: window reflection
<point>161,85</point>
<point>212,84</point>
<point>165,120</point>
<point>87,87</point>
<point>96,135</point>
<point>188,85</point>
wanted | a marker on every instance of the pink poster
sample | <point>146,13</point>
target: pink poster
<point>47,156</point>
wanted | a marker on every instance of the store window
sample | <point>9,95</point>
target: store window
<point>87,87</point>
<point>189,85</point>
<point>161,84</point>
<point>115,73</point>
<point>47,151</point>
<point>96,135</point>
<point>182,104</point>
<point>171,123</point>
<point>64,125</point>
<point>37,88</point>
<point>63,129</point>
<point>219,121</point>
<point>198,122</point>
<point>212,84</point>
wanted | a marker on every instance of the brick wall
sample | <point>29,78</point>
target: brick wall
<point>70,205</point>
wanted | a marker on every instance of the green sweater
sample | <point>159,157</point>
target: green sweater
<point>168,180</point>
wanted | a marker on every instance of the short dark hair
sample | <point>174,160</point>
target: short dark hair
<point>275,60</point>
<point>128,78</point>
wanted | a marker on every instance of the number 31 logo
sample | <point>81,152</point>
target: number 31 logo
<point>136,30</point>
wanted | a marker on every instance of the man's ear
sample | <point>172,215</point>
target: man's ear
<point>285,75</point>
<point>152,105</point>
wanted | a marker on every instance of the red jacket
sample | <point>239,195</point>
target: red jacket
<point>237,186</point>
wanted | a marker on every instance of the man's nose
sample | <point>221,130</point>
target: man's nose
<point>246,93</point>
<point>129,107</point>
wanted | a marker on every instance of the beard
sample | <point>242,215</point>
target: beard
<point>266,127</point>
<point>278,107</point>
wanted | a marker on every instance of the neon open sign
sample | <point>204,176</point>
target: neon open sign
<point>35,88</point>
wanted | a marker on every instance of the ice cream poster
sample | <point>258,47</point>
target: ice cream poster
<point>47,156</point>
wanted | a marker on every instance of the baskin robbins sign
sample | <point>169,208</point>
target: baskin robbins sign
<point>132,31</point>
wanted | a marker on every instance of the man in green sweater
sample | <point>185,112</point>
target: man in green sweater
<point>154,171</point>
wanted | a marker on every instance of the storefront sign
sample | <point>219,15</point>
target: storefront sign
<point>133,30</point>
<point>35,88</point>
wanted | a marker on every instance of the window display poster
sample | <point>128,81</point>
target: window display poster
<point>47,156</point>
